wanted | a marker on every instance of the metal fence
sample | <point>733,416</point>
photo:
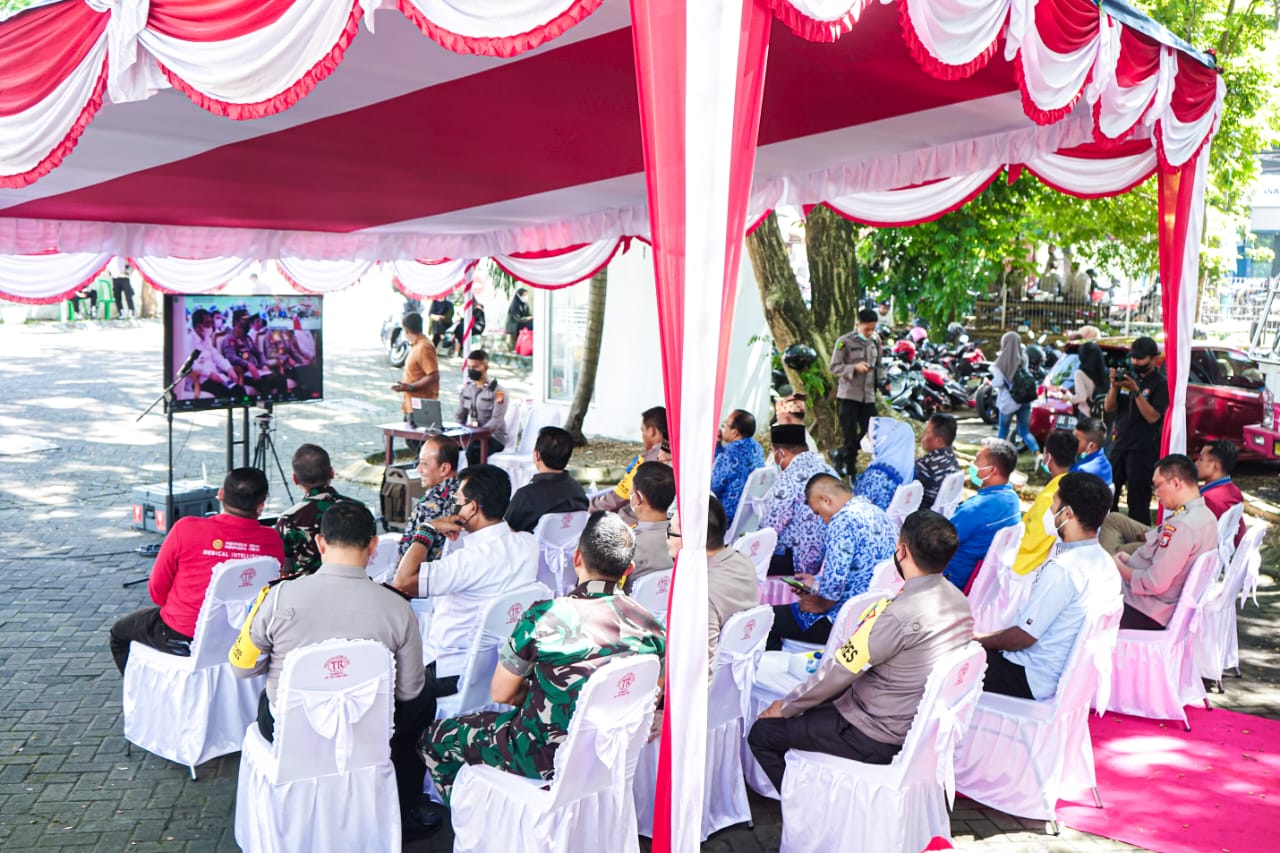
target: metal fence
<point>1052,316</point>
<point>1235,300</point>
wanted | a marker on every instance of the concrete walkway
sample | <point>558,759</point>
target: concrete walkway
<point>70,454</point>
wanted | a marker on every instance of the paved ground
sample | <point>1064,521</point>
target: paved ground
<point>70,453</point>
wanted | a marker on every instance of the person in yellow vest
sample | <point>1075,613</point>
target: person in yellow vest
<point>1060,449</point>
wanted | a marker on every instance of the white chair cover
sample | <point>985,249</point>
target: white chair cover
<point>778,673</point>
<point>831,803</point>
<point>759,546</point>
<point>906,500</point>
<point>886,578</point>
<point>192,709</point>
<point>1021,756</point>
<point>754,502</point>
<point>326,784</point>
<point>1155,673</point>
<point>724,800</point>
<point>949,494</point>
<point>998,593</point>
<point>653,592</point>
<point>500,620</point>
<point>589,804</point>
<point>518,463</point>
<point>557,537</point>
<point>1217,645</point>
<point>382,568</point>
<point>1228,526</point>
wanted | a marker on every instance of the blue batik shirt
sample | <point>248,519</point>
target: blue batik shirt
<point>878,484</point>
<point>734,463</point>
<point>798,527</point>
<point>859,538</point>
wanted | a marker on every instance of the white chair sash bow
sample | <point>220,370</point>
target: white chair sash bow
<point>950,728</point>
<point>557,562</point>
<point>611,747</point>
<point>334,715</point>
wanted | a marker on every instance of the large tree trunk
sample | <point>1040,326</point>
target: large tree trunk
<point>590,357</point>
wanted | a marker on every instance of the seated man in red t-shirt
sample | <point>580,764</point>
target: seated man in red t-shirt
<point>185,564</point>
<point>1214,465</point>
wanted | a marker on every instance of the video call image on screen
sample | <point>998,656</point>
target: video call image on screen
<point>251,349</point>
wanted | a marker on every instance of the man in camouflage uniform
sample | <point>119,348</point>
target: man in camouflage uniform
<point>482,402</point>
<point>554,649</point>
<point>299,524</point>
<point>438,468</point>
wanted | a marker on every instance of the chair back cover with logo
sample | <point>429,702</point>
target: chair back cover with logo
<point>724,797</point>
<point>998,593</point>
<point>589,803</point>
<point>1217,645</point>
<point>886,578</point>
<point>653,592</point>
<point>778,673</point>
<point>906,500</point>
<point>192,709</point>
<point>557,536</point>
<point>326,784</point>
<point>754,502</point>
<point>1228,526</point>
<point>500,620</point>
<point>1020,755</point>
<point>382,568</point>
<point>518,462</point>
<point>758,546</point>
<point>831,803</point>
<point>1155,672</point>
<point>949,494</point>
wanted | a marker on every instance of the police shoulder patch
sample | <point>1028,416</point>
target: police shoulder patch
<point>499,396</point>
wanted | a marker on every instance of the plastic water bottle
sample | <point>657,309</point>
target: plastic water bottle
<point>815,660</point>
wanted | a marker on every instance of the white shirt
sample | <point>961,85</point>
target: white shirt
<point>1078,579</point>
<point>490,562</point>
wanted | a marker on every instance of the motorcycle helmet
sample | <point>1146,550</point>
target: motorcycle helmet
<point>1035,356</point>
<point>799,356</point>
<point>918,334</point>
<point>905,350</point>
<point>955,331</point>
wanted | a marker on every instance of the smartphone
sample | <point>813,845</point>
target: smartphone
<point>797,585</point>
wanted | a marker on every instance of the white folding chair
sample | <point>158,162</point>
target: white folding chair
<point>653,591</point>
<point>831,803</point>
<point>500,619</point>
<point>192,709</point>
<point>778,673</point>
<point>330,758</point>
<point>1155,672</point>
<point>1217,643</point>
<point>906,500</point>
<point>1228,526</point>
<point>1020,755</point>
<point>758,546</point>
<point>557,537</point>
<point>997,592</point>
<point>949,494</point>
<point>754,502</point>
<point>588,804</point>
<point>724,796</point>
<point>518,463</point>
<point>382,568</point>
<point>886,579</point>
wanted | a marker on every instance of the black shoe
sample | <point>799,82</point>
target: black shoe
<point>420,822</point>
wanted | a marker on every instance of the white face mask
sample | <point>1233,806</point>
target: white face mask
<point>1051,528</point>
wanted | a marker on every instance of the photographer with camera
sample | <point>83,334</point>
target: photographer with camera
<point>1138,397</point>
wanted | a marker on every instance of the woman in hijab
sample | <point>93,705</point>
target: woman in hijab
<point>1012,358</point>
<point>892,445</point>
<point>1090,381</point>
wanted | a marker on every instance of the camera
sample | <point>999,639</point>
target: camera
<point>1123,373</point>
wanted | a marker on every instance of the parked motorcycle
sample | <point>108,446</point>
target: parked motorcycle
<point>393,333</point>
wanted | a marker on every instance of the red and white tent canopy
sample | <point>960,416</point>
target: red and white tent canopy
<point>188,134</point>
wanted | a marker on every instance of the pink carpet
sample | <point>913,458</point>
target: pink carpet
<point>1214,788</point>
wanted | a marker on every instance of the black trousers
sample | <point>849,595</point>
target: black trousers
<point>148,628</point>
<point>412,443</point>
<point>785,627</point>
<point>473,449</point>
<point>855,420</point>
<point>1134,619</point>
<point>783,564</point>
<point>1132,469</point>
<point>820,729</point>
<point>410,719</point>
<point>122,290</point>
<point>1005,677</point>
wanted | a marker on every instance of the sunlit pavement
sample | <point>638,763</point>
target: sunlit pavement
<point>70,455</point>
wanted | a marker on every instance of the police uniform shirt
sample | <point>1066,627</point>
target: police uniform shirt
<point>851,350</point>
<point>1160,566</point>
<point>485,406</point>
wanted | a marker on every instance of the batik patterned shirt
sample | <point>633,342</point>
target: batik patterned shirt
<point>932,469</point>
<point>436,503</point>
<point>878,484</point>
<point>298,526</point>
<point>859,538</point>
<point>556,646</point>
<point>733,465</point>
<point>797,526</point>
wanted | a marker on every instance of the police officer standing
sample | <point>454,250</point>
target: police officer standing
<point>482,402</point>
<point>1138,398</point>
<point>855,363</point>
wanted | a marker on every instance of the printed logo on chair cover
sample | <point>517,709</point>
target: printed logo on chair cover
<point>664,585</point>
<point>624,685</point>
<point>964,670</point>
<point>513,614</point>
<point>247,576</point>
<point>566,521</point>
<point>748,629</point>
<point>336,666</point>
<point>755,548</point>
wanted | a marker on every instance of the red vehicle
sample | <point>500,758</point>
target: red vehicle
<point>1225,393</point>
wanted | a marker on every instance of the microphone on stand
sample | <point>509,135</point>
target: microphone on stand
<point>186,365</point>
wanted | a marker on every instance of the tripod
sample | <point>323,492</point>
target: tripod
<point>265,445</point>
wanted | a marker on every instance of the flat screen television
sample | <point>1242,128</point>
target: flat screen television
<point>248,350</point>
